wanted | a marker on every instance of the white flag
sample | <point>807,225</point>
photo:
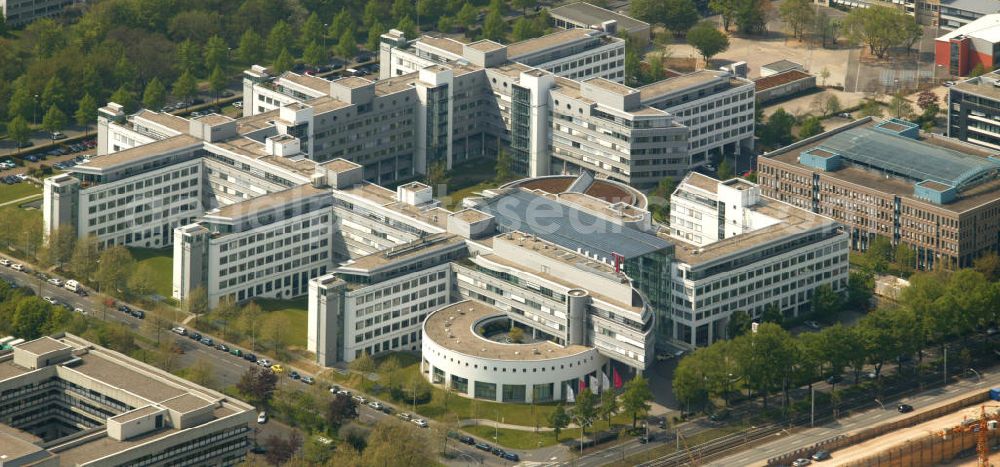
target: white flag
<point>593,384</point>
<point>605,382</point>
<point>569,395</point>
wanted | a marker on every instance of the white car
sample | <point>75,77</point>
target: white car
<point>262,417</point>
<point>51,300</point>
<point>4,262</point>
<point>18,267</point>
<point>80,310</point>
<point>179,330</point>
<point>55,281</point>
<point>375,405</point>
<point>420,422</point>
<point>264,363</point>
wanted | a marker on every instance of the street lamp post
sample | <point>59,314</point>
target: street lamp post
<point>34,111</point>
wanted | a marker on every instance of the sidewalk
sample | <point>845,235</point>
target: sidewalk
<point>21,200</point>
<point>487,422</point>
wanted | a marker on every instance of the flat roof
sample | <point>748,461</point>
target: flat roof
<point>353,82</point>
<point>875,180</point>
<point>137,413</point>
<point>485,45</point>
<point>670,85</point>
<point>214,119</point>
<point>791,221</point>
<point>986,28</point>
<point>548,41</point>
<point>402,252</point>
<point>779,79</point>
<point>339,165</point>
<point>186,403</point>
<point>42,345</point>
<point>386,198</point>
<point>567,226</point>
<point>704,182</point>
<point>178,124</point>
<point>394,84</point>
<point>611,86</point>
<point>444,43</point>
<point>452,327</point>
<point>976,6</point>
<point>981,85</point>
<point>315,83</point>
<point>267,201</point>
<point>782,65</point>
<point>471,215</point>
<point>591,15</point>
<point>141,153</point>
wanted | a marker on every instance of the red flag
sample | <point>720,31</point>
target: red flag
<point>617,378</point>
<point>583,384</point>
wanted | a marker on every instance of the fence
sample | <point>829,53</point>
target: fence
<point>929,450</point>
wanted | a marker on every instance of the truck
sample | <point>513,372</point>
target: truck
<point>72,285</point>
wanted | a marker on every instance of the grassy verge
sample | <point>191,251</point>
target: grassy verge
<point>518,439</point>
<point>161,262</point>
<point>670,448</point>
<point>12,192</point>
<point>296,312</point>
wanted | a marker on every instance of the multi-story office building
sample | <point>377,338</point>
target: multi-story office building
<point>67,401</point>
<point>739,250</point>
<point>21,12</point>
<point>946,14</point>
<point>588,16</point>
<point>973,46</point>
<point>936,195</point>
<point>974,110</point>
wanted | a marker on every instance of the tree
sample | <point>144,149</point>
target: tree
<point>189,57</point>
<point>249,316</point>
<point>585,409</point>
<point>988,265</point>
<point>340,409</point>
<point>656,72</point>
<point>522,5</point>
<point>283,62</point>
<point>636,397</point>
<point>738,324</point>
<point>503,166</point>
<point>60,245</point>
<point>142,282</point>
<point>878,255</point>
<point>30,316</point>
<point>633,67</point>
<point>364,365</point>
<point>185,87</point>
<point>86,111</point>
<point>905,257</point>
<point>346,46</point>
<point>826,303</point>
<point>798,15</point>
<point>124,96</point>
<point>725,170</point>
<point>494,27</point>
<point>558,420</point>
<point>17,130</point>
<point>524,28</point>
<point>280,450</point>
<point>201,372</point>
<point>387,438</point>
<point>880,28</point>
<point>772,314</point>
<point>374,36</point>
<point>708,40</point>
<point>342,22</point>
<point>372,12</point>
<point>54,93</point>
<point>216,53</point>
<point>660,198</point>
<point>83,262</point>
<point>196,302</point>
<point>832,105</point>
<point>778,130</point>
<point>250,48</point>
<point>811,126</point>
<point>115,267</point>
<point>690,382</point>
<point>466,16</point>
<point>678,15</point>
<point>609,406</point>
<point>437,177</point>
<point>279,38</point>
<point>824,74</point>
<point>871,108</point>
<point>404,8</point>
<point>258,384</point>
<point>765,358</point>
<point>826,28</point>
<point>751,16</point>
<point>901,108</point>
<point>155,95</point>
<point>276,330</point>
<point>54,120</point>
<point>389,374</point>
<point>217,81</point>
<point>725,8</point>
<point>311,31</point>
<point>408,27</point>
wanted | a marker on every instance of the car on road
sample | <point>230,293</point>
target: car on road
<point>179,330</point>
<point>821,456</point>
<point>250,357</point>
<point>511,456</point>
<point>262,417</point>
<point>375,405</point>
<point>138,314</point>
<point>813,325</point>
<point>124,308</point>
<point>308,380</point>
<point>4,262</point>
<point>719,416</point>
<point>361,399</point>
<point>802,462</point>
<point>904,408</point>
<point>264,363</point>
<point>645,439</point>
<point>222,347</point>
<point>834,379</point>
<point>484,447</point>
<point>294,375</point>
<point>236,352</point>
<point>55,281</point>
<point>421,423</point>
<point>466,439</point>
<point>51,300</point>
<point>207,341</point>
<point>497,451</point>
<point>18,267</point>
<point>277,368</point>
<point>404,416</point>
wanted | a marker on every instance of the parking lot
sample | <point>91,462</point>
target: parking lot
<point>61,157</point>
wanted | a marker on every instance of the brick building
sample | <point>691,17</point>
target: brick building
<point>939,196</point>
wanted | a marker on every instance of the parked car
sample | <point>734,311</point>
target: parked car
<point>222,347</point>
<point>404,416</point>
<point>79,310</point>
<point>801,462</point>
<point>51,300</point>
<point>834,379</point>
<point>821,456</point>
<point>207,341</point>
<point>277,368</point>
<point>124,308</point>
<point>179,330</point>
<point>375,405</point>
<point>139,314</point>
<point>194,336</point>
<point>250,357</point>
<point>5,262</point>
<point>361,399</point>
<point>236,352</point>
<point>466,439</point>
<point>18,267</point>
<point>262,417</point>
<point>904,408</point>
<point>308,380</point>
<point>264,363</point>
<point>813,325</point>
<point>484,447</point>
<point>294,375</point>
<point>511,456</point>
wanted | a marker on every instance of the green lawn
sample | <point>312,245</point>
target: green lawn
<point>162,262</point>
<point>296,311</point>
<point>517,439</point>
<point>12,192</point>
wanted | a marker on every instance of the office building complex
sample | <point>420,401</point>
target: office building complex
<point>67,401</point>
<point>974,110</point>
<point>21,12</point>
<point>946,14</point>
<point>739,250</point>
<point>936,195</point>
<point>587,16</point>
<point>976,44</point>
